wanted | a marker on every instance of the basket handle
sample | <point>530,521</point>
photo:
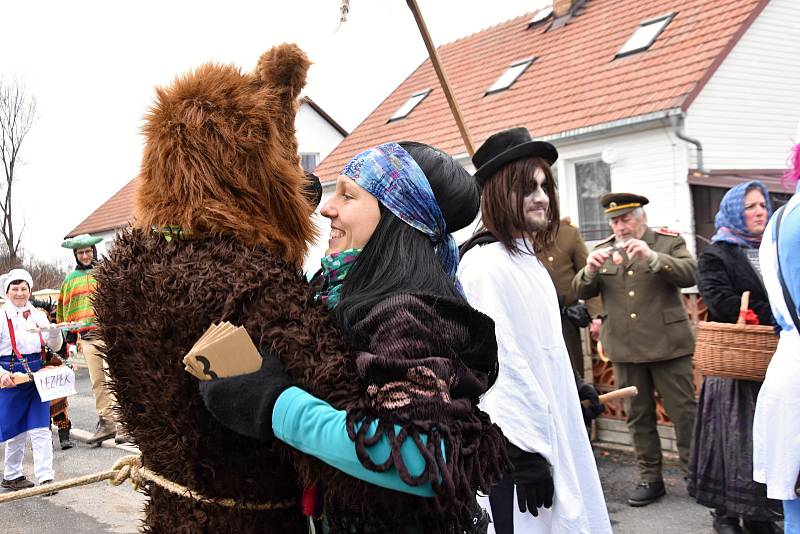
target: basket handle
<point>743,307</point>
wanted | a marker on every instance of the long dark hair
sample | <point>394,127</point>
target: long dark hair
<point>504,221</point>
<point>397,258</point>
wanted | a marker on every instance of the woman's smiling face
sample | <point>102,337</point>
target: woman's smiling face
<point>354,215</point>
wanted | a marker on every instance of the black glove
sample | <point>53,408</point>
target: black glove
<point>595,408</point>
<point>244,403</point>
<point>577,314</point>
<point>533,479</point>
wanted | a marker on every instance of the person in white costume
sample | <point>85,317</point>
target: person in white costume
<point>24,332</point>
<point>776,425</point>
<point>554,482</point>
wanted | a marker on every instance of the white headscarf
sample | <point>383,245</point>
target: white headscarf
<point>16,274</point>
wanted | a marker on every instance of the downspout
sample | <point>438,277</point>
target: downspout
<point>680,135</point>
<point>678,129</point>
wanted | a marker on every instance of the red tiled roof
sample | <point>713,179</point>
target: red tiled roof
<point>115,212</point>
<point>575,81</point>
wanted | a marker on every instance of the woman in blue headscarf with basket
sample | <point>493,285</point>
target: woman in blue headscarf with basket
<point>720,466</point>
<point>24,333</point>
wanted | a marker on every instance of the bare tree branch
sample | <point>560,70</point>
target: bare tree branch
<point>17,117</point>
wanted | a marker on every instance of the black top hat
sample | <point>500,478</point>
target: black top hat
<point>507,146</point>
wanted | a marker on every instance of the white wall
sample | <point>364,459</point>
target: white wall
<point>651,162</point>
<point>746,115</point>
<point>314,133</point>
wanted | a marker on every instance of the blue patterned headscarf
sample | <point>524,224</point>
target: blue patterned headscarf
<point>391,175</point>
<point>729,221</point>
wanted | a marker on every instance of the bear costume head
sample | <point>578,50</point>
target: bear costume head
<point>221,156</point>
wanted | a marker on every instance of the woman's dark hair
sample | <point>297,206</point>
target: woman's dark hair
<point>398,258</point>
<point>506,222</point>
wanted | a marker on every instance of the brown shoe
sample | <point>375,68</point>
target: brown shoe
<point>122,435</point>
<point>106,428</point>
<point>19,483</point>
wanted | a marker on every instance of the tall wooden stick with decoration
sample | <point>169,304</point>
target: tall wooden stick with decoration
<point>437,66</point>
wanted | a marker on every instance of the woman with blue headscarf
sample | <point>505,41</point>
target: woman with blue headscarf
<point>410,447</point>
<point>721,463</point>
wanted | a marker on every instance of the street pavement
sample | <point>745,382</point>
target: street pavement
<point>102,508</point>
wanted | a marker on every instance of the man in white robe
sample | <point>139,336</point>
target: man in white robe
<point>554,484</point>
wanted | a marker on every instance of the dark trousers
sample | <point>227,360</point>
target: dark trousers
<point>674,381</point>
<point>572,339</point>
<point>501,499</point>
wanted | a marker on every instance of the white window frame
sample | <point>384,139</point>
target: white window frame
<point>316,159</point>
<point>568,187</point>
<point>521,65</point>
<point>409,105</point>
<point>634,44</point>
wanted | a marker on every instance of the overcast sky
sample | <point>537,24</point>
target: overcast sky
<point>93,65</point>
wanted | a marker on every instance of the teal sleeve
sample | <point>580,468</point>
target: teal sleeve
<point>314,427</point>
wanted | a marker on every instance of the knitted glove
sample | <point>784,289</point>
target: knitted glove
<point>244,403</point>
<point>533,479</point>
<point>595,408</point>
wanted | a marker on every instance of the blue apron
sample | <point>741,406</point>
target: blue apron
<point>21,408</point>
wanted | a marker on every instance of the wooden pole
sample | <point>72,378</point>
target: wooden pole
<point>437,66</point>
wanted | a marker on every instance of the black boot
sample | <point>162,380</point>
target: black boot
<point>761,527</point>
<point>726,525</point>
<point>646,492</point>
<point>63,438</point>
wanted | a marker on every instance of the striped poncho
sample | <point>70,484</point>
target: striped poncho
<point>74,300</point>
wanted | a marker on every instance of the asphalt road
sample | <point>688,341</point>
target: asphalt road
<point>101,508</point>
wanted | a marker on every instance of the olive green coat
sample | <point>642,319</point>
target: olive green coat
<point>562,260</point>
<point>645,318</point>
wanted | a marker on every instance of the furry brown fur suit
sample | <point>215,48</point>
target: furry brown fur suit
<point>220,162</point>
<point>155,298</point>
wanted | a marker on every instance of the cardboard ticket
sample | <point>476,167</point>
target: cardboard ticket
<point>226,351</point>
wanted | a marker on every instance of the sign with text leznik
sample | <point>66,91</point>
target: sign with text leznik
<point>55,382</point>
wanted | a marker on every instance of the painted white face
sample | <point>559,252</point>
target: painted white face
<point>535,204</point>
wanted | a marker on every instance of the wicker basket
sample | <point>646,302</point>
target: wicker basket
<point>732,350</point>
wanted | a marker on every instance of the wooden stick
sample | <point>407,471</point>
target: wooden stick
<point>624,393</point>
<point>743,307</point>
<point>437,66</point>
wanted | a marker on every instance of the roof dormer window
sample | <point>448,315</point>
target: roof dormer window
<point>645,35</point>
<point>510,75</point>
<point>408,106</point>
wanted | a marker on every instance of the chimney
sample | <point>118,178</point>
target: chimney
<point>561,7</point>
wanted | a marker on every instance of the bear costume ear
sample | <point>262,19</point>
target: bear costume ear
<point>284,69</point>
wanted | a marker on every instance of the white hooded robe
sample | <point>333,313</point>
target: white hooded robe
<point>535,400</point>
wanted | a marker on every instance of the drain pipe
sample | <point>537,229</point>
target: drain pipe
<point>679,134</point>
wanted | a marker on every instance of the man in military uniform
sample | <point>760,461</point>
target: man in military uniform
<point>562,260</point>
<point>646,333</point>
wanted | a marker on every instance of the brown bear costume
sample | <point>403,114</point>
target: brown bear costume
<point>220,233</point>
